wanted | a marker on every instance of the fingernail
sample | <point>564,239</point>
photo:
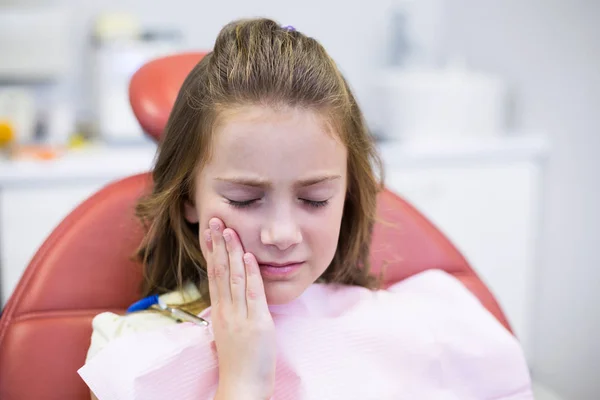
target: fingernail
<point>207,236</point>
<point>214,225</point>
<point>247,258</point>
<point>227,236</point>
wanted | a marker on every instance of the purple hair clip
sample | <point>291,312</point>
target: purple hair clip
<point>289,28</point>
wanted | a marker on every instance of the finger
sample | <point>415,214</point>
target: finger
<point>210,269</point>
<point>255,290</point>
<point>208,241</point>
<point>237,271</point>
<point>220,260</point>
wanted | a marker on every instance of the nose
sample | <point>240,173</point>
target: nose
<point>281,231</point>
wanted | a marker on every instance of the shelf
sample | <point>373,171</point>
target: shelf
<point>464,151</point>
<point>89,164</point>
<point>113,162</point>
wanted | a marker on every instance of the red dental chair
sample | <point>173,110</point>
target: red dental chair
<point>85,266</point>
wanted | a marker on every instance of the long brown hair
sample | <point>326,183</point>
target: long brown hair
<point>254,62</point>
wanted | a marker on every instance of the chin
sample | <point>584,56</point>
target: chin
<point>282,292</point>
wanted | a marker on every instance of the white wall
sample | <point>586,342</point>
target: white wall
<point>354,34</point>
<point>551,52</point>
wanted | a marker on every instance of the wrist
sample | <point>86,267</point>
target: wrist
<point>236,391</point>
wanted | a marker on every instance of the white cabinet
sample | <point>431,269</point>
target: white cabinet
<point>28,215</point>
<point>36,196</point>
<point>485,196</point>
<point>489,212</point>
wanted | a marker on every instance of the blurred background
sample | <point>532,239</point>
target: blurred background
<point>486,114</point>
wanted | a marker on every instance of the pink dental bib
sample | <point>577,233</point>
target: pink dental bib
<point>424,338</point>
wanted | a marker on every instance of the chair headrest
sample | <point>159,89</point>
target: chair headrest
<point>154,88</point>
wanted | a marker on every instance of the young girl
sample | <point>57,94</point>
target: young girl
<point>261,215</point>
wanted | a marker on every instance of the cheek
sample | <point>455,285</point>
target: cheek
<point>243,223</point>
<point>247,227</point>
<point>209,207</point>
<point>323,230</point>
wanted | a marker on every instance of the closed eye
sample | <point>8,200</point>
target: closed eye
<point>314,203</point>
<point>241,204</point>
<point>248,203</point>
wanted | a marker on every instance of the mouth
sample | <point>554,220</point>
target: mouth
<point>279,271</point>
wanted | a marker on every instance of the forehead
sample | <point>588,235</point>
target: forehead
<point>270,142</point>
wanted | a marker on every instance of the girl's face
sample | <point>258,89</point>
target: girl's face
<point>278,178</point>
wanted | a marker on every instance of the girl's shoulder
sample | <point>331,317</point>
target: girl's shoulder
<point>108,326</point>
<point>436,286</point>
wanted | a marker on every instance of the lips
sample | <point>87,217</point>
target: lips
<point>278,265</point>
<point>273,271</point>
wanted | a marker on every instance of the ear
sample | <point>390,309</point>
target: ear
<point>190,212</point>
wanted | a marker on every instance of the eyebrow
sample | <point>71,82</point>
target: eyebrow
<point>263,183</point>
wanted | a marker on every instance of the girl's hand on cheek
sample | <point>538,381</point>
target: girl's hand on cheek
<point>242,324</point>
